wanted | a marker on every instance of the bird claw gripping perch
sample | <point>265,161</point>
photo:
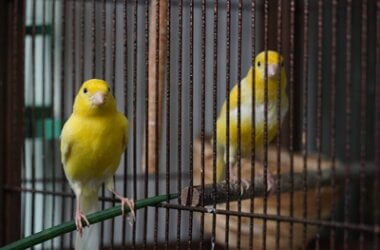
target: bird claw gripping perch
<point>78,221</point>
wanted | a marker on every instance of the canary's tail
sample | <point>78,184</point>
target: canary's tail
<point>90,237</point>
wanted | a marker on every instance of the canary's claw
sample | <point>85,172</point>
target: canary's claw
<point>78,221</point>
<point>130,203</point>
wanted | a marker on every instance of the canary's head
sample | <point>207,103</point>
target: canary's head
<point>270,67</point>
<point>275,65</point>
<point>94,98</point>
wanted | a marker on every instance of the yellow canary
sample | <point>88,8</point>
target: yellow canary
<point>275,69</point>
<point>92,142</point>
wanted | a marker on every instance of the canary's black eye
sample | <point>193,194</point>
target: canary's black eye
<point>282,64</point>
<point>109,89</point>
<point>85,90</point>
<point>258,64</point>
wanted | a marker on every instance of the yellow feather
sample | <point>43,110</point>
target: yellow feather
<point>92,142</point>
<point>276,62</point>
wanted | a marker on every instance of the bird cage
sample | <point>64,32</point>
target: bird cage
<point>171,66</point>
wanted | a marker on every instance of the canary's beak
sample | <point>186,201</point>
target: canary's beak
<point>98,98</point>
<point>273,70</point>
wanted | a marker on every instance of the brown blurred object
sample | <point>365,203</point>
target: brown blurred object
<point>156,80</point>
<point>325,202</point>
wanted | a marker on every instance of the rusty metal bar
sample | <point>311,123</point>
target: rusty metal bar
<point>113,87</point>
<point>363,116</point>
<point>73,91</point>
<point>318,136</point>
<point>52,114</point>
<point>146,184</point>
<point>191,114</point>
<point>125,79</point>
<point>334,4</point>
<point>305,99</point>
<point>291,116</point>
<point>168,134</point>
<point>153,112</point>
<point>348,84</point>
<point>266,142</point>
<point>253,133</point>
<point>93,38</point>
<point>239,49</point>
<point>214,113</point>
<point>376,184</point>
<point>377,129</point>
<point>44,169</point>
<point>134,113</point>
<point>228,78</point>
<point>203,108</point>
<point>179,113</point>
<point>62,96</point>
<point>278,141</point>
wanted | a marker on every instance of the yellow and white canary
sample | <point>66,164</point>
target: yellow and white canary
<point>92,142</point>
<point>275,69</point>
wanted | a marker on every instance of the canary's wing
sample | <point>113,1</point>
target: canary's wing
<point>66,142</point>
<point>125,137</point>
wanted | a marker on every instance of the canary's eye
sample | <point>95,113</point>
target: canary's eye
<point>258,64</point>
<point>85,90</point>
<point>282,64</point>
<point>109,89</point>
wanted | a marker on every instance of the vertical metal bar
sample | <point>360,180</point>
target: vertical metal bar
<point>62,106</point>
<point>4,41</point>
<point>167,218</point>
<point>203,108</point>
<point>318,136</point>
<point>179,100</point>
<point>157,59</point>
<point>103,64</point>
<point>52,116</point>
<point>376,184</point>
<point>240,31</point>
<point>278,142</point>
<point>228,57</point>
<point>73,83</point>
<point>81,41</point>
<point>125,73</point>
<point>291,117</point>
<point>33,112</point>
<point>347,198</point>
<point>134,107</point>
<point>93,42</point>
<point>146,119</point>
<point>253,132</point>
<point>363,117</point>
<point>304,111</point>
<point>73,49</point>
<point>332,111</point>
<point>157,49</point>
<point>191,104</point>
<point>104,38</point>
<point>44,163</point>
<point>266,42</point>
<point>113,87</point>
<point>214,114</point>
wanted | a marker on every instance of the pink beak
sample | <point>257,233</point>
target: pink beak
<point>273,70</point>
<point>98,98</point>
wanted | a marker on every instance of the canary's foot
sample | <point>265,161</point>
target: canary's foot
<point>78,221</point>
<point>244,183</point>
<point>271,183</point>
<point>130,203</point>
